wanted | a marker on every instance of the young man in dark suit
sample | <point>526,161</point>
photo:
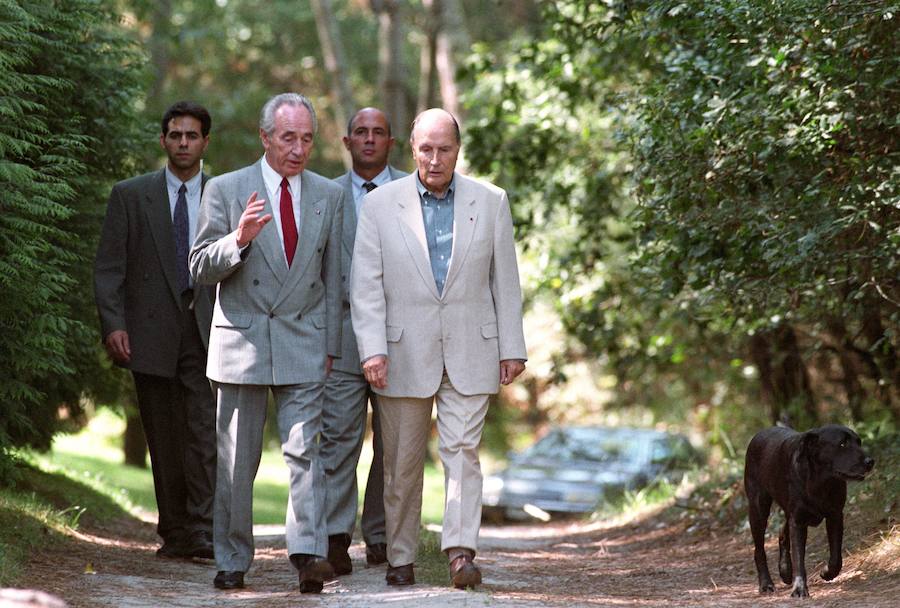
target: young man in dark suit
<point>155,321</point>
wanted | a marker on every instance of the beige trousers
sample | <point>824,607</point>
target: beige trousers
<point>406,423</point>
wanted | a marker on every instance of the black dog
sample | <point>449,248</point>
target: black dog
<point>806,474</point>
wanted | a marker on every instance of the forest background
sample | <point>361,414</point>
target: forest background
<point>705,192</point>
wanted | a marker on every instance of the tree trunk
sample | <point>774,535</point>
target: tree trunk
<point>392,72</point>
<point>883,355</point>
<point>335,65</point>
<point>159,52</point>
<point>427,97</point>
<point>760,354</point>
<point>846,354</point>
<point>452,41</point>
<point>783,376</point>
<point>134,443</point>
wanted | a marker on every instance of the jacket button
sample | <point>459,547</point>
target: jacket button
<point>271,315</point>
<point>312,285</point>
<point>256,281</point>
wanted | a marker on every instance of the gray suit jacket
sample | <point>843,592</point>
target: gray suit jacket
<point>272,325</point>
<point>349,361</point>
<point>135,283</point>
<point>397,311</point>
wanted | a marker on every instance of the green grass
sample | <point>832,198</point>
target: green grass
<point>95,456</point>
<point>40,506</point>
<point>83,480</point>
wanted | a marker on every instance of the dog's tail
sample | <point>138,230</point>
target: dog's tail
<point>784,421</point>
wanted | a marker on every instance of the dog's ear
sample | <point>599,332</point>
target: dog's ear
<point>809,444</point>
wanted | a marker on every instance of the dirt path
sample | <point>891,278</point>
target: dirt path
<point>646,562</point>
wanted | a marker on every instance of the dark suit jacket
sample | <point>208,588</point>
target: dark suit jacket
<point>135,276</point>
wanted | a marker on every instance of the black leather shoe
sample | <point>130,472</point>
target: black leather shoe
<point>200,545</point>
<point>172,549</point>
<point>314,571</point>
<point>376,554</point>
<point>400,575</point>
<point>227,579</point>
<point>463,573</point>
<point>338,556</point>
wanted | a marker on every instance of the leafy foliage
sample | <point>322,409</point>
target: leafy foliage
<point>709,183</point>
<point>67,77</point>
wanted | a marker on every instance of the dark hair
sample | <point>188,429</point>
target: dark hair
<point>353,118</point>
<point>187,108</point>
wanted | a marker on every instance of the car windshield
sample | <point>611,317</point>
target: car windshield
<point>599,445</point>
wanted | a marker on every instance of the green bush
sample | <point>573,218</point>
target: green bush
<point>68,84</point>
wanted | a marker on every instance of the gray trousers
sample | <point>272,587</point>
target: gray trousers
<point>343,428</point>
<point>241,419</point>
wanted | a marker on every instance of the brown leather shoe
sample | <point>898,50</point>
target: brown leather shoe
<point>400,575</point>
<point>463,573</point>
<point>338,556</point>
<point>313,574</point>
<point>376,554</point>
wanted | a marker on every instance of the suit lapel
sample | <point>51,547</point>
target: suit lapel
<point>465,217</point>
<point>159,218</point>
<point>313,209</point>
<point>267,240</point>
<point>412,227</point>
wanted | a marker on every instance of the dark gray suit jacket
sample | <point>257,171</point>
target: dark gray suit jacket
<point>349,361</point>
<point>135,276</point>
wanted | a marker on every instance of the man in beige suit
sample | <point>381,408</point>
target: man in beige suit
<point>437,312</point>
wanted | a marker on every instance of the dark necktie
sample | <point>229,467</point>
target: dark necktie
<point>288,225</point>
<point>369,186</point>
<point>182,236</point>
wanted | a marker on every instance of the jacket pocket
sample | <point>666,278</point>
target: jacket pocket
<point>236,320</point>
<point>394,333</point>
<point>318,321</point>
<point>489,330</point>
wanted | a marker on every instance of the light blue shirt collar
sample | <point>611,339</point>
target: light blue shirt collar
<point>423,190</point>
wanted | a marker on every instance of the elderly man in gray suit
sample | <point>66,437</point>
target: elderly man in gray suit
<point>369,141</point>
<point>437,311</point>
<point>276,327</point>
<point>155,322</point>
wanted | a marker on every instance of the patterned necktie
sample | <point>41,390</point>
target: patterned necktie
<point>369,186</point>
<point>182,229</point>
<point>288,225</point>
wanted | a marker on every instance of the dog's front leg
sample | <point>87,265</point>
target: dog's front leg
<point>798,557</point>
<point>834,525</point>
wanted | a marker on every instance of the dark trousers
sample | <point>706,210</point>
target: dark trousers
<point>179,418</point>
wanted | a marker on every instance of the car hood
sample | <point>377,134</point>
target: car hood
<point>591,472</point>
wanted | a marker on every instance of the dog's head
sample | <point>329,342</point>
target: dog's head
<point>837,450</point>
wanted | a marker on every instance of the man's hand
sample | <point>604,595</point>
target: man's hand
<point>510,369</point>
<point>329,362</point>
<point>251,223</point>
<point>375,370</point>
<point>118,346</point>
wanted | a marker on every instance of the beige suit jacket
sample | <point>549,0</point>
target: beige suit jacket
<point>396,308</point>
